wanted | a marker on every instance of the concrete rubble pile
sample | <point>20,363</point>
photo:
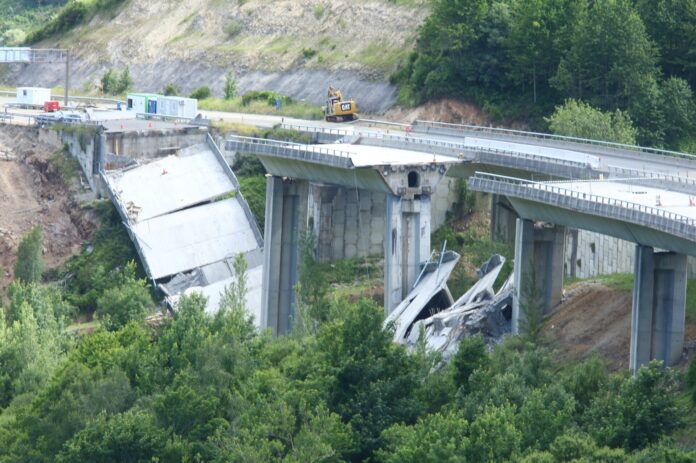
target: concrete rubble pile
<point>480,310</point>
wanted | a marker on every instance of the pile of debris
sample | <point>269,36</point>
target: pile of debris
<point>480,310</point>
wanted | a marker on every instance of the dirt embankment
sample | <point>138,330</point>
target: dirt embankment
<point>596,318</point>
<point>33,192</point>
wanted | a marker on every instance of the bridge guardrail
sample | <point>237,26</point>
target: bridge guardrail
<point>290,150</point>
<point>642,174</point>
<point>659,219</point>
<point>459,150</point>
<point>459,129</point>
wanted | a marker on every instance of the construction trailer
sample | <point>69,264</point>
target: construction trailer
<point>176,106</point>
<point>142,103</point>
<point>35,96</point>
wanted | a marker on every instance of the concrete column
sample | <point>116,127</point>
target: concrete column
<point>538,271</point>
<point>406,245</point>
<point>286,204</point>
<point>322,207</point>
<point>659,307</point>
<point>503,220</point>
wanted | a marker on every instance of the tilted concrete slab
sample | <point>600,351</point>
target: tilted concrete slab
<point>194,237</point>
<point>170,184</point>
<point>186,236</point>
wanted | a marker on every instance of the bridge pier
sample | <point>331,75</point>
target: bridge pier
<point>659,307</point>
<point>538,272</point>
<point>286,209</point>
<point>503,219</point>
<point>406,245</point>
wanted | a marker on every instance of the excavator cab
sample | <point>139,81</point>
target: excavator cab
<point>337,109</point>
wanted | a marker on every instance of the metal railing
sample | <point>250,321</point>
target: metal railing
<point>625,173</point>
<point>494,156</point>
<point>314,153</point>
<point>459,129</point>
<point>549,193</point>
<point>233,178</point>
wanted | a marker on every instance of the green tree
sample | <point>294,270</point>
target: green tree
<point>471,355</point>
<point>671,24</point>
<point>609,55</point>
<point>128,300</point>
<point>433,439</point>
<point>29,263</point>
<point>371,381</point>
<point>132,436</point>
<point>230,85</point>
<point>109,81</point>
<point>493,435</point>
<point>635,412</point>
<point>679,109</point>
<point>578,119</point>
<point>125,81</point>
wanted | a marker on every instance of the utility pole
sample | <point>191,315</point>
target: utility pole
<point>67,75</point>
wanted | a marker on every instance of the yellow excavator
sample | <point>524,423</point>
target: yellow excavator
<point>337,109</point>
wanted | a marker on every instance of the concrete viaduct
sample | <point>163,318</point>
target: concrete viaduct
<point>636,194</point>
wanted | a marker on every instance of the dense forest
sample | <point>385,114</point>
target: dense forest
<point>519,59</point>
<point>194,387</point>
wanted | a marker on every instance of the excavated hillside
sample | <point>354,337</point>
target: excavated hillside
<point>296,47</point>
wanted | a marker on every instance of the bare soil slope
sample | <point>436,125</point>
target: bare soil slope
<point>32,192</point>
<point>596,318</point>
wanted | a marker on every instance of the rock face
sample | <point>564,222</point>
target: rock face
<point>479,310</point>
<point>296,47</point>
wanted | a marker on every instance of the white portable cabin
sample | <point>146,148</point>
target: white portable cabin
<point>142,103</point>
<point>176,106</point>
<point>33,95</point>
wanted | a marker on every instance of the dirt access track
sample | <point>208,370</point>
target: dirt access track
<point>33,192</point>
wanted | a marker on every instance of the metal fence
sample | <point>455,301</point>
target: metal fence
<point>552,194</point>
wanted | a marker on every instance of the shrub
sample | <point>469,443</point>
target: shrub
<point>308,53</point>
<point>267,95</point>
<point>171,89</point>
<point>201,93</point>
<point>232,28</point>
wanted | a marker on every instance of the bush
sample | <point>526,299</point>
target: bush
<point>201,93</point>
<point>308,53</point>
<point>232,28</point>
<point>29,263</point>
<point>265,95</point>
<point>171,89</point>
